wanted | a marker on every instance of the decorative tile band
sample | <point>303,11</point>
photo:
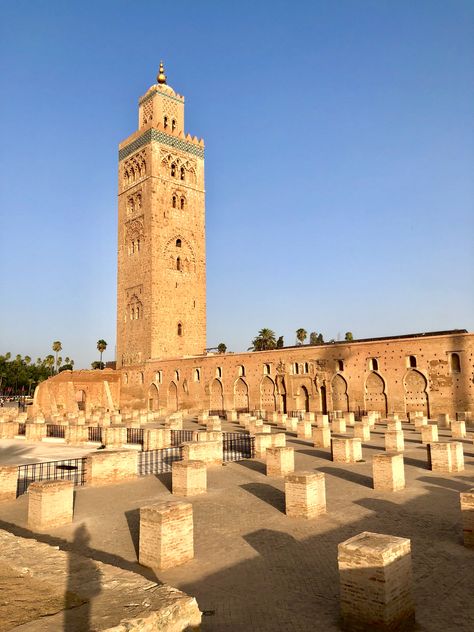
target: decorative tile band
<point>156,136</point>
<point>152,93</point>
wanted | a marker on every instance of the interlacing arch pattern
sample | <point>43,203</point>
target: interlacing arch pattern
<point>134,203</point>
<point>134,168</point>
<point>183,170</point>
<point>134,236</point>
<point>179,254</point>
<point>135,308</point>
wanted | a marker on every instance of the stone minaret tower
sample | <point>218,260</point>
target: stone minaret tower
<point>161,293</point>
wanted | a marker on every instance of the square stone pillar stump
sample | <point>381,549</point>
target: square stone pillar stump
<point>429,434</point>
<point>322,437</point>
<point>263,440</point>
<point>394,425</point>
<point>420,422</point>
<point>8,482</point>
<point>394,441</point>
<point>446,457</point>
<point>362,431</point>
<point>443,420</point>
<point>303,430</point>
<point>346,450</point>
<point>166,534</point>
<point>278,440</point>
<point>339,426</point>
<point>305,494</point>
<point>388,472</point>
<point>280,461</point>
<point>188,478</point>
<point>467,512</point>
<point>322,421</point>
<point>458,429</point>
<point>50,504</point>
<point>376,583</point>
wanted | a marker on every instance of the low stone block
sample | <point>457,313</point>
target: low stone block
<point>376,583</point>
<point>231,415</point>
<point>443,420</point>
<point>305,494</point>
<point>35,432</point>
<point>166,534</point>
<point>394,441</point>
<point>280,461</point>
<point>420,422</point>
<point>394,425</point>
<point>346,450</point>
<point>446,457</point>
<point>388,472</point>
<point>278,440</point>
<point>114,436</point>
<point>308,416</point>
<point>429,434</point>
<point>8,482</point>
<point>458,429</point>
<point>263,440</point>
<point>156,438</point>
<point>188,478</point>
<point>322,420</point>
<point>338,426</point>
<point>76,435</point>
<point>50,504</point>
<point>467,513</point>
<point>349,418</point>
<point>361,431</point>
<point>208,451</point>
<point>304,430</point>
<point>110,466</point>
<point>321,437</point>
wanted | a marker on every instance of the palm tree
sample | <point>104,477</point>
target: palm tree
<point>101,347</point>
<point>57,347</point>
<point>39,361</point>
<point>264,341</point>
<point>349,337</point>
<point>27,359</point>
<point>49,362</point>
<point>301,335</point>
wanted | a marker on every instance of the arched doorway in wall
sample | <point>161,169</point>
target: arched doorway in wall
<point>241,396</point>
<point>172,397</point>
<point>153,398</point>
<point>302,398</point>
<point>281,394</point>
<point>340,399</point>
<point>81,399</point>
<point>375,397</point>
<point>415,390</point>
<point>267,394</point>
<point>216,404</point>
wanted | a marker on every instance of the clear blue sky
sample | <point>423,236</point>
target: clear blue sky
<point>339,162</point>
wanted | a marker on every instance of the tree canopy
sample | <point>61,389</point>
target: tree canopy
<point>301,335</point>
<point>264,341</point>
<point>221,347</point>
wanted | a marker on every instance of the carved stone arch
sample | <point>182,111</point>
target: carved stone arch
<point>340,399</point>
<point>172,397</point>
<point>415,388</point>
<point>216,397</point>
<point>375,396</point>
<point>153,397</point>
<point>267,394</point>
<point>185,254</point>
<point>281,390</point>
<point>241,396</point>
<point>302,397</point>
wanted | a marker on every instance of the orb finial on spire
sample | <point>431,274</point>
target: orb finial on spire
<point>161,77</point>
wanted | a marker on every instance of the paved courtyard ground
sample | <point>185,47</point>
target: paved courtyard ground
<point>257,570</point>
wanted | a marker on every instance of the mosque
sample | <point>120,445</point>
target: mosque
<point>162,363</point>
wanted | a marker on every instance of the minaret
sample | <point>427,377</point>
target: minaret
<point>161,289</point>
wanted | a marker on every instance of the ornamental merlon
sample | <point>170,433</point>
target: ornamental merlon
<point>190,144</point>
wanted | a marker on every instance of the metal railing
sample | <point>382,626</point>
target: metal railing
<point>217,412</point>
<point>94,433</point>
<point>180,436</point>
<point>70,469</point>
<point>56,431</point>
<point>22,429</point>
<point>135,435</point>
<point>237,446</point>
<point>158,461</point>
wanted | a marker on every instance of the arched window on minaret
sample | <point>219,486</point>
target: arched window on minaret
<point>181,172</point>
<point>182,202</point>
<point>173,125</point>
<point>173,170</point>
<point>174,201</point>
<point>180,329</point>
<point>165,122</point>
<point>178,243</point>
<point>178,263</point>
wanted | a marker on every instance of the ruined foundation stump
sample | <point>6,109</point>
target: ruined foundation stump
<point>322,437</point>
<point>429,434</point>
<point>394,441</point>
<point>305,494</point>
<point>50,504</point>
<point>376,583</point>
<point>188,478</point>
<point>467,512</point>
<point>166,534</point>
<point>388,472</point>
<point>280,461</point>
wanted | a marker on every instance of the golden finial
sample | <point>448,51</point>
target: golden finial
<point>161,77</point>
